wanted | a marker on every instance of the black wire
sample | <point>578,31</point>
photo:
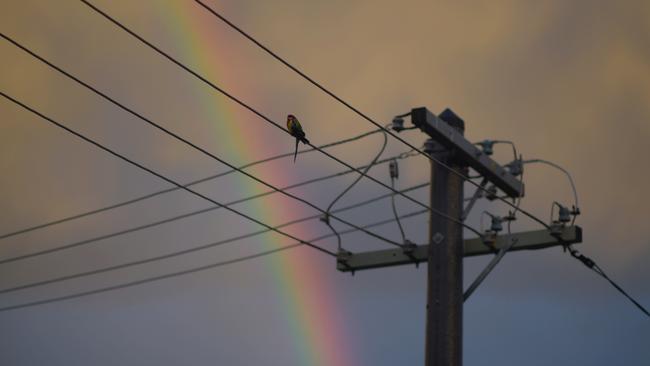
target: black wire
<point>589,263</point>
<point>190,250</point>
<point>168,220</point>
<point>361,114</point>
<point>205,152</point>
<point>169,180</point>
<point>262,116</point>
<point>355,110</point>
<point>365,171</point>
<point>392,203</point>
<point>193,270</point>
<point>326,219</point>
<point>172,189</point>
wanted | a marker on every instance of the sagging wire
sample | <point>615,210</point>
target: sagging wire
<point>326,216</point>
<point>393,170</point>
<point>191,270</point>
<point>576,208</point>
<point>174,188</point>
<point>88,241</point>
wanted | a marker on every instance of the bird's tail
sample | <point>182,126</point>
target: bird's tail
<point>296,152</point>
<point>304,140</point>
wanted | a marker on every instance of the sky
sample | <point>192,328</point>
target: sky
<point>567,81</point>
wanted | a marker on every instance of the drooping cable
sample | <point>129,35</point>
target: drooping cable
<point>152,172</point>
<point>209,154</point>
<point>343,102</point>
<point>394,175</point>
<point>357,111</point>
<point>190,250</point>
<point>566,172</point>
<point>326,217</point>
<point>173,189</point>
<point>195,269</point>
<point>262,116</point>
<point>88,241</point>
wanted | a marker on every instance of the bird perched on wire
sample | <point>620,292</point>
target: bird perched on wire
<point>295,129</point>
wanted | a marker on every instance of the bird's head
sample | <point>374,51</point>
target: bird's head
<point>291,118</point>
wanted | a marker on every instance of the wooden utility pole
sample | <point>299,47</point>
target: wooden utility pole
<point>444,327</point>
<point>446,248</point>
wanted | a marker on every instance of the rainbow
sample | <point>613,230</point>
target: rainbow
<point>306,296</point>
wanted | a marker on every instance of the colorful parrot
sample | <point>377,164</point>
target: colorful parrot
<point>295,129</point>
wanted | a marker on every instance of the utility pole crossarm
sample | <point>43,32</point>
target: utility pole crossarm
<point>528,240</point>
<point>449,137</point>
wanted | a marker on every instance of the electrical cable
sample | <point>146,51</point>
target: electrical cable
<point>174,218</point>
<point>205,152</point>
<point>566,172</point>
<point>392,203</point>
<point>326,218</point>
<point>357,111</point>
<point>173,189</point>
<point>594,267</point>
<point>262,116</point>
<point>192,270</point>
<point>181,252</point>
<point>152,172</point>
<point>334,96</point>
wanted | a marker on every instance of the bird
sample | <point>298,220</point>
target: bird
<point>295,129</point>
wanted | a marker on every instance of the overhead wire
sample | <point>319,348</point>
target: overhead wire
<point>568,175</point>
<point>195,269</point>
<point>198,148</point>
<point>188,250</point>
<point>174,188</point>
<point>316,148</point>
<point>259,114</point>
<point>394,173</point>
<point>591,264</point>
<point>326,218</point>
<point>346,104</point>
<point>174,218</point>
<point>514,205</point>
<point>152,172</point>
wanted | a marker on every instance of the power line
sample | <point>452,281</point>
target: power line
<point>326,218</point>
<point>189,250</point>
<point>171,219</point>
<point>566,172</point>
<point>335,97</point>
<point>392,204</point>
<point>193,270</point>
<point>200,149</point>
<point>262,116</point>
<point>173,189</point>
<point>169,180</point>
<point>594,267</point>
<point>367,118</point>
